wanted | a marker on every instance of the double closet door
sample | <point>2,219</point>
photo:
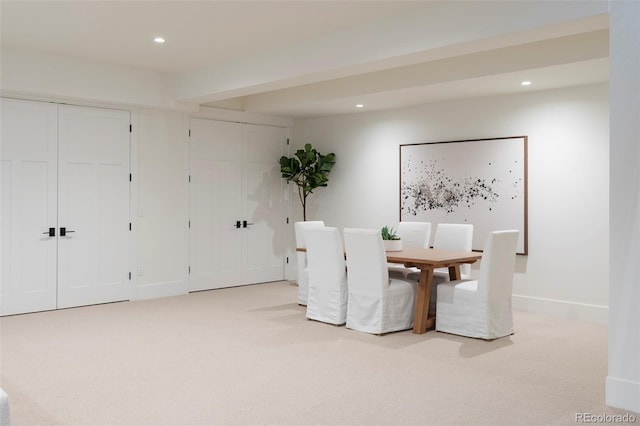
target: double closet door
<point>238,221</point>
<point>64,206</point>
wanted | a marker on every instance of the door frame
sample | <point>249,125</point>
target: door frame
<point>132,243</point>
<point>241,117</point>
<point>133,204</point>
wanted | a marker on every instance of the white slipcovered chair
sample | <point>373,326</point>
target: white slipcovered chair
<point>482,308</point>
<point>412,234</point>
<point>449,236</point>
<point>453,236</point>
<point>376,304</point>
<point>303,273</point>
<point>327,301</point>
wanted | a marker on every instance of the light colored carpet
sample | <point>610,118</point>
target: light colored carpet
<point>248,355</point>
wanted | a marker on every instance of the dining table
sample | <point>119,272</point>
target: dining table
<point>427,260</point>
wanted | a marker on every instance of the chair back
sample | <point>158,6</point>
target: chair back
<point>367,271</point>
<point>325,256</point>
<point>300,228</point>
<point>455,236</point>
<point>414,234</point>
<point>495,281</point>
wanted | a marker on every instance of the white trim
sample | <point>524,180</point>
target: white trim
<point>560,308</point>
<point>291,267</point>
<point>161,289</point>
<point>67,101</point>
<point>186,181</point>
<point>241,117</point>
<point>623,394</point>
<point>133,203</point>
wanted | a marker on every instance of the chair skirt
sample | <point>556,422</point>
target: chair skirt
<point>469,316</point>
<point>370,313</point>
<point>328,305</point>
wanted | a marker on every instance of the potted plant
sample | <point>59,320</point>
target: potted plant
<point>308,169</point>
<point>391,240</point>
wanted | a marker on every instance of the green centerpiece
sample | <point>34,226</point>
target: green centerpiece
<point>391,240</point>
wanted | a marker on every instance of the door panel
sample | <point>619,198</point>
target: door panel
<point>263,241</point>
<point>94,205</point>
<point>28,206</point>
<point>215,243</point>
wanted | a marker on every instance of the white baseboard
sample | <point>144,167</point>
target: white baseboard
<point>623,394</point>
<point>162,289</point>
<point>560,308</point>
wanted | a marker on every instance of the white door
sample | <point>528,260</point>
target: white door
<point>215,204</point>
<point>64,168</point>
<point>263,241</point>
<point>237,216</point>
<point>93,206</point>
<point>29,158</point>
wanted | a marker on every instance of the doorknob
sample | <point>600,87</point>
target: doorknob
<point>64,231</point>
<point>51,232</point>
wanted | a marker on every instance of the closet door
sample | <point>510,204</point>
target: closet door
<point>65,206</point>
<point>215,205</point>
<point>93,200</point>
<point>28,206</point>
<point>263,241</point>
<point>237,217</point>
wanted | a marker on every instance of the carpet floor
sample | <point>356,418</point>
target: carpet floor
<point>248,356</point>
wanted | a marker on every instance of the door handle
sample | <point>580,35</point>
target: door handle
<point>237,224</point>
<point>64,231</point>
<point>51,232</point>
<point>245,223</point>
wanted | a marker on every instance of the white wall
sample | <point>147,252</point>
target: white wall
<point>163,204</point>
<point>566,271</point>
<point>623,379</point>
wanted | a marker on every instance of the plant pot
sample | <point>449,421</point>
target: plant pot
<point>392,245</point>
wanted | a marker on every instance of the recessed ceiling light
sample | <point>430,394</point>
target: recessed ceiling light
<point>359,106</point>
<point>526,83</point>
<point>159,40</point>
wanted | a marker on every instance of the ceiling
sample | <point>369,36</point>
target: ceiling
<point>313,58</point>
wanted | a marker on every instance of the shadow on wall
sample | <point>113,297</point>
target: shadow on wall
<point>269,208</point>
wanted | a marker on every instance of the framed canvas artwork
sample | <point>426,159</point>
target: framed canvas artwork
<point>480,181</point>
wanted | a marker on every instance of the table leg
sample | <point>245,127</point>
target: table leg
<point>420,320</point>
<point>454,273</point>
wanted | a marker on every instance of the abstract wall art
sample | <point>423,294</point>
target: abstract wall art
<point>477,181</point>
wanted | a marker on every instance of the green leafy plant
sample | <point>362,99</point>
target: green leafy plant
<point>389,234</point>
<point>308,169</point>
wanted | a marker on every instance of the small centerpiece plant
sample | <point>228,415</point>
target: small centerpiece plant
<point>391,240</point>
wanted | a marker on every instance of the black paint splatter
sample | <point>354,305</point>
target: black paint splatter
<point>434,190</point>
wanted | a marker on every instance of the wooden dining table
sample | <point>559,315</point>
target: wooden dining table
<point>427,259</point>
